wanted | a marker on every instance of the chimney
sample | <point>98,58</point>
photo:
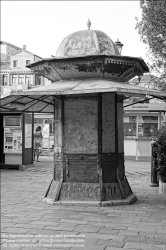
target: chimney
<point>24,47</point>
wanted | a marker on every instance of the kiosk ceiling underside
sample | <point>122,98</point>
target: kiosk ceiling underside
<point>40,104</point>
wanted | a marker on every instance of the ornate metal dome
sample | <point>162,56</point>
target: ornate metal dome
<point>86,43</point>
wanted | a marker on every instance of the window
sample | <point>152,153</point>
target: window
<point>130,125</point>
<point>5,80</point>
<point>147,126</point>
<point>38,80</point>
<point>15,64</point>
<point>50,121</point>
<point>14,79</point>
<point>28,62</point>
<point>21,79</point>
<point>28,80</point>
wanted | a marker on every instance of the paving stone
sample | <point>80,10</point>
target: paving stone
<point>110,231</point>
<point>88,247</point>
<point>15,230</point>
<point>67,227</point>
<point>4,225</point>
<point>110,225</point>
<point>73,221</point>
<point>97,236</point>
<point>130,245</point>
<point>44,223</point>
<point>87,228</point>
<point>110,243</point>
<point>113,248</point>
<point>127,232</point>
<point>28,226</point>
<point>43,232</point>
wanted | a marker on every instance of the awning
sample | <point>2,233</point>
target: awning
<point>41,99</point>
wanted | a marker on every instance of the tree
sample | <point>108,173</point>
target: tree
<point>152,29</point>
<point>161,152</point>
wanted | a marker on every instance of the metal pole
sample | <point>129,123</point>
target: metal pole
<point>49,137</point>
<point>136,140</point>
<point>154,180</point>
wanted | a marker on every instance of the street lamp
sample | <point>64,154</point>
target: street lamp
<point>119,46</point>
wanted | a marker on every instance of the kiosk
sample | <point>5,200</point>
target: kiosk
<point>90,82</point>
<point>17,137</point>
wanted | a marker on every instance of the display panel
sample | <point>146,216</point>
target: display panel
<point>8,138</point>
<point>12,121</point>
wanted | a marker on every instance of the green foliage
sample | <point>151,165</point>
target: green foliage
<point>152,29</point>
<point>161,152</point>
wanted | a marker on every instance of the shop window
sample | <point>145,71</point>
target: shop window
<point>147,129</point>
<point>130,126</point>
<point>5,80</point>
<point>147,126</point>
<point>28,80</point>
<point>15,64</point>
<point>14,79</point>
<point>21,79</point>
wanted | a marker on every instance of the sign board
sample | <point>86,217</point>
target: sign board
<point>147,107</point>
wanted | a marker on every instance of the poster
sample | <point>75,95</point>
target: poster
<point>28,130</point>
<point>46,130</point>
<point>28,142</point>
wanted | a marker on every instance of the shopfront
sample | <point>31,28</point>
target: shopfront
<point>141,121</point>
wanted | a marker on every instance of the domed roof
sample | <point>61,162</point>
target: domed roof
<point>86,43</point>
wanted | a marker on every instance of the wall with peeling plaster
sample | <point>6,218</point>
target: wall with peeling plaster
<point>81,126</point>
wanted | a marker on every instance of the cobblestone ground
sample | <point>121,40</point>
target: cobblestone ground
<point>27,223</point>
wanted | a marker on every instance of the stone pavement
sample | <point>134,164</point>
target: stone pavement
<point>27,223</point>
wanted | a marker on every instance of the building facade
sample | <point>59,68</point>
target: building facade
<point>141,121</point>
<point>14,73</point>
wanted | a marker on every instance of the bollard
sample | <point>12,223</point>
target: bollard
<point>154,180</point>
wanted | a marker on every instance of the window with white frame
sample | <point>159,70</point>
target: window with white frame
<point>28,62</point>
<point>28,79</point>
<point>15,64</point>
<point>21,79</point>
<point>14,79</point>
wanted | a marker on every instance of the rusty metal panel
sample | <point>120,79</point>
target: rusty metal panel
<point>81,168</point>
<point>81,126</point>
<point>120,125</point>
<point>80,191</point>
<point>109,164</point>
<point>108,122</point>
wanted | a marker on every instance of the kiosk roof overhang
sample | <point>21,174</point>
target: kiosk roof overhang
<point>118,68</point>
<point>41,99</point>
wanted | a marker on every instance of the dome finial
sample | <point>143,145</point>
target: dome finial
<point>89,24</point>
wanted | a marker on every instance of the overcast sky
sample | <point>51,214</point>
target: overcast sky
<point>42,25</point>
